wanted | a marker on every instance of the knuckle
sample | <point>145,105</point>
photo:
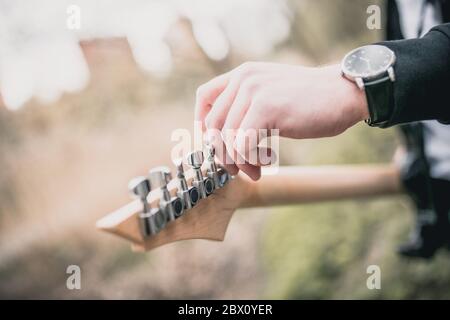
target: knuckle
<point>250,85</point>
<point>246,68</point>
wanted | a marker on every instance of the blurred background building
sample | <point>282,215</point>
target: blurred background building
<point>83,110</point>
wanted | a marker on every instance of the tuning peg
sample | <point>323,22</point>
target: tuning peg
<point>212,168</point>
<point>210,151</point>
<point>160,176</point>
<point>140,187</point>
<point>172,206</point>
<point>224,176</point>
<point>180,168</point>
<point>190,195</point>
<point>205,185</point>
<point>195,159</point>
<point>150,220</point>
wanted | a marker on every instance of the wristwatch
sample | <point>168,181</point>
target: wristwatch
<point>371,68</point>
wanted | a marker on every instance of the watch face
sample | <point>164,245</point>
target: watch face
<point>368,61</point>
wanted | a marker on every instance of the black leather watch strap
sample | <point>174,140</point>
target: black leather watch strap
<point>380,99</point>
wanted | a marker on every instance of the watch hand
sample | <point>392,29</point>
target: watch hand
<point>367,61</point>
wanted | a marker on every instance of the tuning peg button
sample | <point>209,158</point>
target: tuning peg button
<point>172,206</point>
<point>151,221</point>
<point>195,159</point>
<point>139,187</point>
<point>212,168</point>
<point>160,177</point>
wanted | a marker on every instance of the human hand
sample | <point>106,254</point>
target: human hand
<point>300,102</point>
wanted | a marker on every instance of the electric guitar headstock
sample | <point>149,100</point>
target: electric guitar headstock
<point>196,204</point>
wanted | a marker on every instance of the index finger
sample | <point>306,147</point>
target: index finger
<point>206,95</point>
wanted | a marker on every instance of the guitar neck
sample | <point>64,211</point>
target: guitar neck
<point>293,185</point>
<point>290,185</point>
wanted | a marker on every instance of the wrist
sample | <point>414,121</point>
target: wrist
<point>349,99</point>
<point>352,100</point>
<point>357,102</point>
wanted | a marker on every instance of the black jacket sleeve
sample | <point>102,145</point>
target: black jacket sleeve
<point>422,70</point>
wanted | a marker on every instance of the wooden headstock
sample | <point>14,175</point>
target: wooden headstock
<point>209,219</point>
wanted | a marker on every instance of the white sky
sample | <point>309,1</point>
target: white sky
<point>40,56</point>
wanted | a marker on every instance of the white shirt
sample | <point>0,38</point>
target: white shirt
<point>436,135</point>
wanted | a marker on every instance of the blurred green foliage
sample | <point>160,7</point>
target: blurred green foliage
<point>322,251</point>
<point>321,28</point>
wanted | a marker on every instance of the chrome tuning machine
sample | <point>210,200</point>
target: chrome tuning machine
<point>172,206</point>
<point>224,176</point>
<point>212,168</point>
<point>219,175</point>
<point>205,185</point>
<point>189,195</point>
<point>151,220</point>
